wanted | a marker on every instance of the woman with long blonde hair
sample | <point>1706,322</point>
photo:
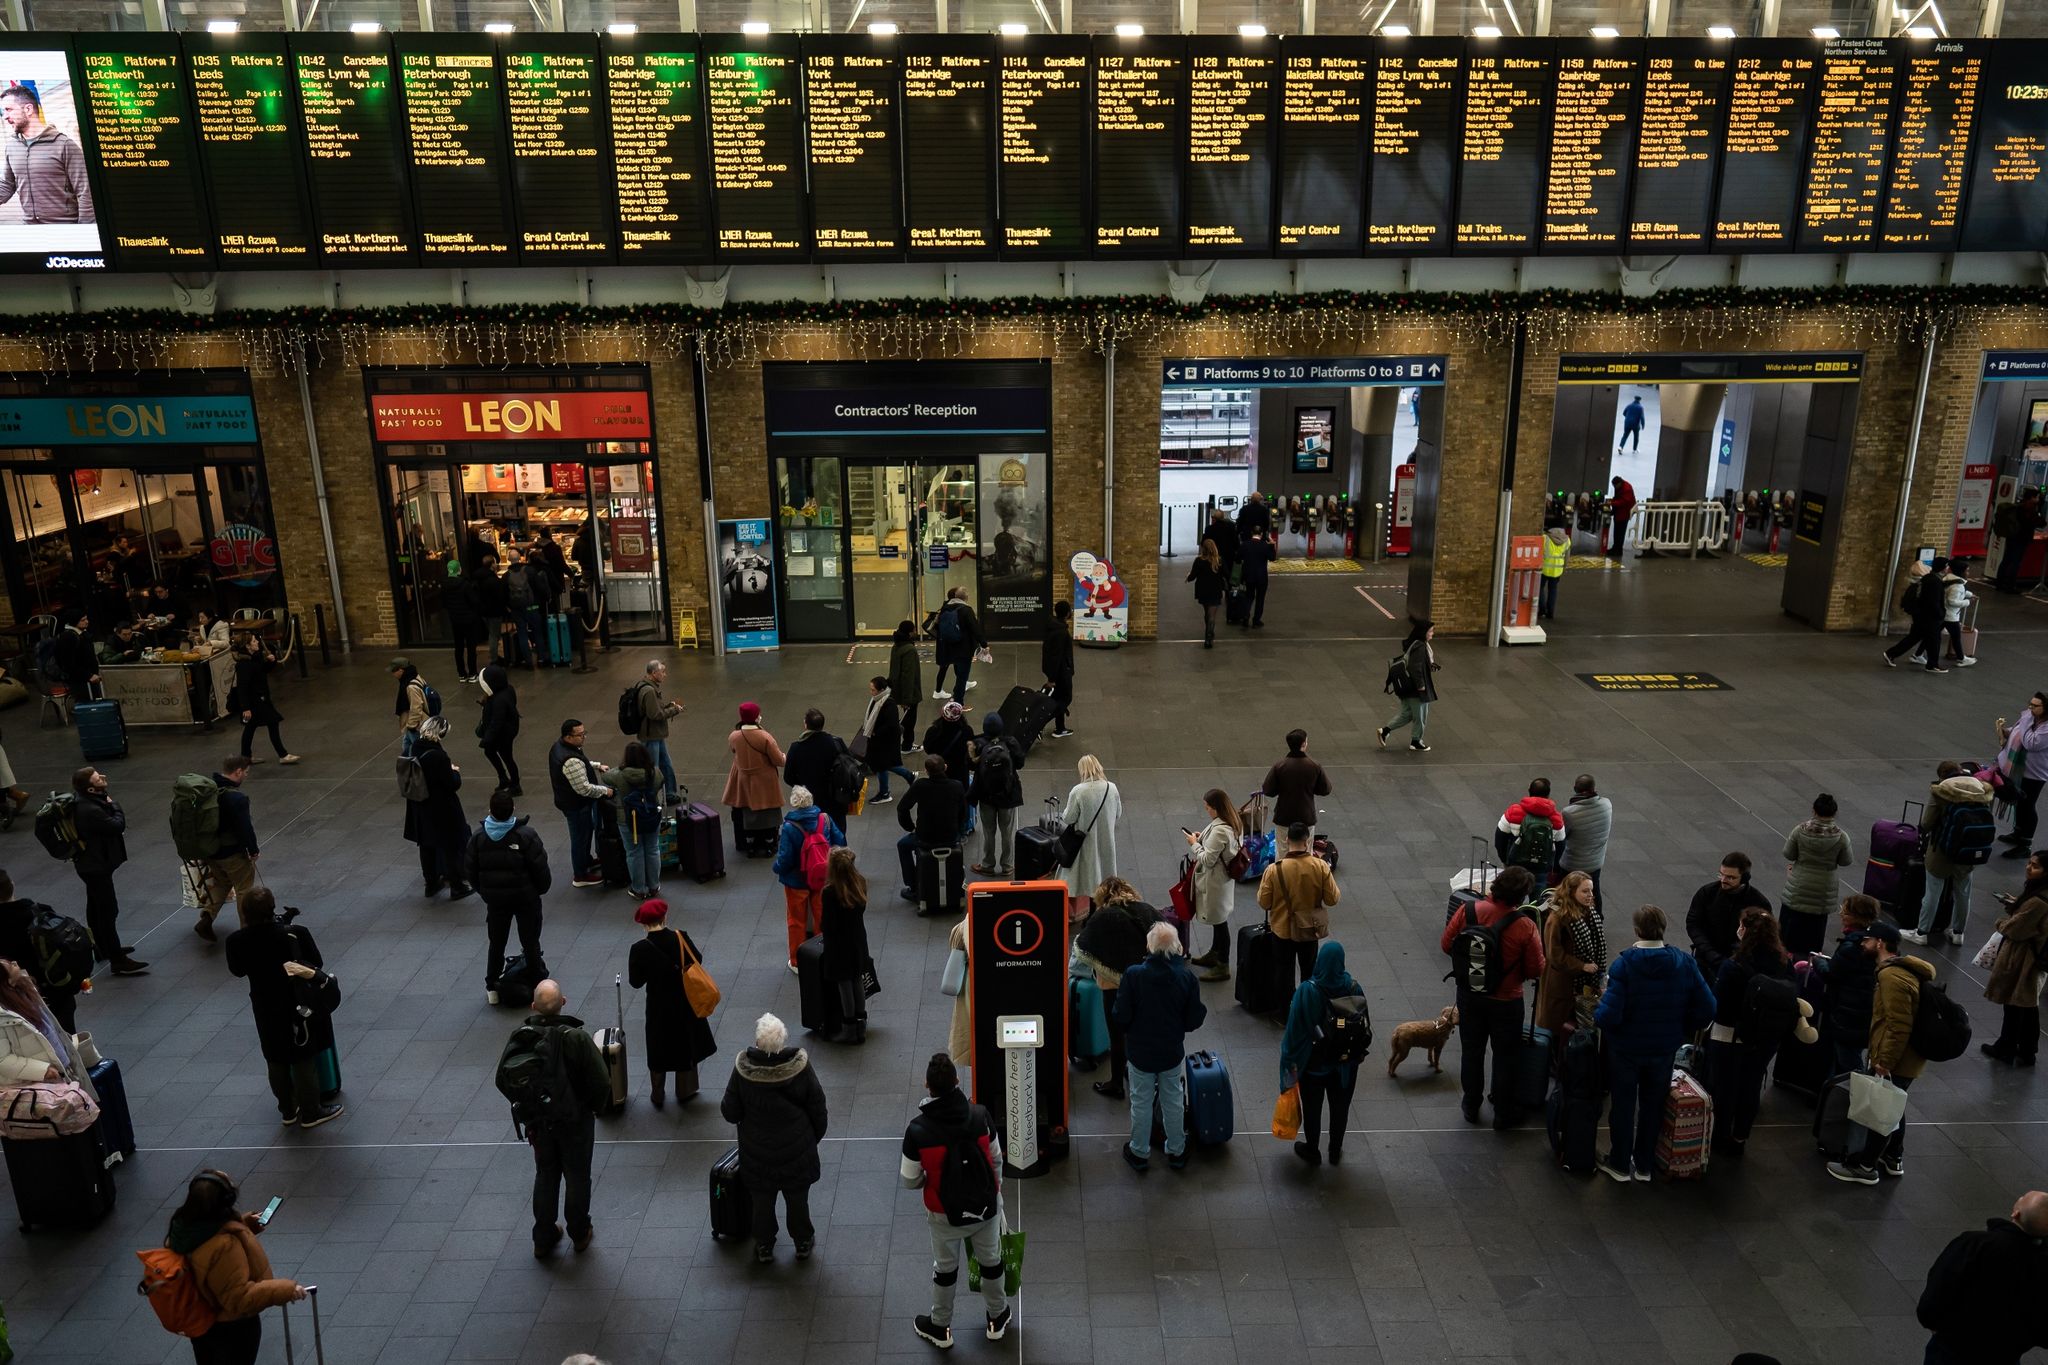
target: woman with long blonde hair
<point>1574,952</point>
<point>1211,582</point>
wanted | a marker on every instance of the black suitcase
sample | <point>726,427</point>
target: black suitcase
<point>732,1209</point>
<point>1265,970</point>
<point>1832,1130</point>
<point>941,881</point>
<point>102,730</point>
<point>1526,1070</point>
<point>1574,1127</point>
<point>700,848</point>
<point>1025,713</point>
<point>62,1181</point>
<point>817,999</point>
<point>1037,853</point>
<point>611,1045</point>
<point>116,1126</point>
<point>1237,604</point>
<point>516,982</point>
<point>611,849</point>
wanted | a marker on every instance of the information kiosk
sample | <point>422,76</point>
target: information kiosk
<point>1017,968</point>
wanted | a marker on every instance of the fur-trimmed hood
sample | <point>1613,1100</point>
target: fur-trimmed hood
<point>771,1068</point>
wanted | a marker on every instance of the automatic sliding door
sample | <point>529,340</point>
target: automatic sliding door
<point>810,525</point>
<point>947,541</point>
<point>881,541</point>
<point>428,549</point>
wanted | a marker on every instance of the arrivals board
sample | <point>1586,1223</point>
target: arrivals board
<point>1508,89</point>
<point>2008,207</point>
<point>456,145</point>
<point>248,129</point>
<point>1232,86</point>
<point>1325,115</point>
<point>1140,120</point>
<point>562,186</point>
<point>1939,86</point>
<point>1763,150</point>
<point>753,99</point>
<point>949,149</point>
<point>1851,135</point>
<point>1414,159</point>
<point>1678,144</point>
<point>1592,145</point>
<point>661,180</point>
<point>152,208</point>
<point>1043,110</point>
<point>851,141</point>
<point>355,162</point>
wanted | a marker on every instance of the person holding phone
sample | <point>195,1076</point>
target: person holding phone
<point>231,1268</point>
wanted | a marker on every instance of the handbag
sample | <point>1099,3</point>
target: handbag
<point>46,1109</point>
<point>983,656</point>
<point>1240,861</point>
<point>858,746</point>
<point>1072,840</point>
<point>870,984</point>
<point>1182,896</point>
<point>1987,956</point>
<point>698,987</point>
<point>953,979</point>
<point>1875,1103</point>
<point>1287,1114</point>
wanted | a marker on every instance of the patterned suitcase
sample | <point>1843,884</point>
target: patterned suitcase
<point>1687,1133</point>
<point>102,732</point>
<point>1894,857</point>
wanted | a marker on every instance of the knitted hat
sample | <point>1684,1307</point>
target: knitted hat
<point>750,712</point>
<point>952,710</point>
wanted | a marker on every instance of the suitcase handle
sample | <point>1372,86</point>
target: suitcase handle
<point>1911,805</point>
<point>619,988</point>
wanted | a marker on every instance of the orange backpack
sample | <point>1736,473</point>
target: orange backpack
<point>173,1291</point>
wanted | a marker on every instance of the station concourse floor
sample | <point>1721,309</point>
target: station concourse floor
<point>1434,1241</point>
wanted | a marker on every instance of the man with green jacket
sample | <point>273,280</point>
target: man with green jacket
<point>1897,1001</point>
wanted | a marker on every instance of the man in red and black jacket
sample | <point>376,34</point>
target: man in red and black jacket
<point>952,1152</point>
<point>1495,1017</point>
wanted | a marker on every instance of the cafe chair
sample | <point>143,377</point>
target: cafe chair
<point>248,614</point>
<point>55,694</point>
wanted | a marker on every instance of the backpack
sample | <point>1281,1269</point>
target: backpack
<point>1910,598</point>
<point>1477,960</point>
<point>630,714</point>
<point>1941,1027</point>
<point>533,1076</point>
<point>195,817</point>
<point>62,948</point>
<point>46,658</point>
<point>429,697</point>
<point>173,1291</point>
<point>1531,848</point>
<point>843,780</point>
<point>520,588</point>
<point>1770,1008</point>
<point>412,778</point>
<point>950,632</point>
<point>643,804</point>
<point>57,826</point>
<point>1397,675</point>
<point>997,774</point>
<point>967,1179</point>
<point>1966,837</point>
<point>1345,1035</point>
<point>815,854</point>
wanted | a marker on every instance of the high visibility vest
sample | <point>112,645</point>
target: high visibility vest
<point>1554,556</point>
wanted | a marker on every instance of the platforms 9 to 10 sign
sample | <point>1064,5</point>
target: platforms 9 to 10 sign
<point>267,149</point>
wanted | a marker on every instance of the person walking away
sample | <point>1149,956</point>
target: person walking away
<point>77,663</point>
<point>1623,504</point>
<point>842,919</point>
<point>1294,783</point>
<point>951,740</point>
<point>952,1152</point>
<point>1206,573</point>
<point>1655,1000</point>
<point>1557,544</point>
<point>1813,850</point>
<point>1215,889</point>
<point>499,726</point>
<point>1158,1003</point>
<point>2023,762</point>
<point>1899,980</point>
<point>102,849</point>
<point>293,1024</point>
<point>1850,986</point>
<point>1631,427</point>
<point>1255,517</point>
<point>33,1045</point>
<point>2015,983</point>
<point>508,865</point>
<point>997,792</point>
<point>1956,598</point>
<point>1258,553</point>
<point>1312,1055</point>
<point>656,711</point>
<point>1056,662</point>
<point>573,775</point>
<point>881,728</point>
<point>933,814</point>
<point>1756,1007</point>
<point>1094,806</point>
<point>1588,823</point>
<point>803,852</point>
<point>251,699</point>
<point>906,681</point>
<point>1979,1291</point>
<point>2016,523</point>
<point>230,1269</point>
<point>1109,942</point>
<point>1493,1018</point>
<point>1923,602</point>
<point>638,784</point>
<point>677,1037</point>
<point>776,1102</point>
<point>958,637</point>
<point>15,914</point>
<point>493,599</point>
<point>437,823</point>
<point>1296,891</point>
<point>1530,832</point>
<point>555,1077</point>
<point>753,782</point>
<point>810,764</point>
<point>465,627</point>
<point>1413,682</point>
<point>1574,954</point>
<point>1959,834</point>
<point>1716,912</point>
<point>231,869</point>
<point>416,702</point>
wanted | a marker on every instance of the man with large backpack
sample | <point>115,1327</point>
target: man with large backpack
<point>956,636</point>
<point>952,1152</point>
<point>18,921</point>
<point>813,762</point>
<point>213,833</point>
<point>1907,1002</point>
<point>1960,833</point>
<point>1495,950</point>
<point>555,1078</point>
<point>1531,833</point>
<point>997,792</point>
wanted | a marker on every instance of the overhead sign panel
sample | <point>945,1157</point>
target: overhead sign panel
<point>1330,371</point>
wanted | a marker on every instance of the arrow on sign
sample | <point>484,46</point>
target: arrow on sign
<point>1172,373</point>
<point>1435,371</point>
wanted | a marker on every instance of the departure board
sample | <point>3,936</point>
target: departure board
<point>949,176</point>
<point>555,113</point>
<point>455,140</point>
<point>1232,86</point>
<point>1500,162</point>
<point>2008,209</point>
<point>152,209</point>
<point>1851,137</point>
<point>1413,157</point>
<point>851,140</point>
<point>1763,148</point>
<point>753,92</point>
<point>1140,118</point>
<point>248,126</point>
<point>348,99</point>
<point>1325,113</point>
<point>1042,112</point>
<point>1939,85</point>
<point>660,171</point>
<point>1592,144</point>
<point>1678,144</point>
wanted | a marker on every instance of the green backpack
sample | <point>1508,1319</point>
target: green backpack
<point>195,817</point>
<point>1531,848</point>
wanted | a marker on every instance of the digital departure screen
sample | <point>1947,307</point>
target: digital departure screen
<point>555,112</point>
<point>1592,144</point>
<point>48,221</point>
<point>154,209</point>
<point>1500,175</point>
<point>1939,86</point>
<point>455,134</point>
<point>1325,115</point>
<point>1043,113</point>
<point>2008,209</point>
<point>1763,151</point>
<point>1232,84</point>
<point>949,150</point>
<point>249,143</point>
<point>659,167</point>
<point>850,130</point>
<point>1413,155</point>
<point>1851,137</point>
<point>348,98</point>
<point>1140,117</point>
<point>1678,144</point>
<point>753,93</point>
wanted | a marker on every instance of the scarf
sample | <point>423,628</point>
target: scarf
<point>875,705</point>
<point>498,829</point>
<point>1310,1006</point>
<point>1588,939</point>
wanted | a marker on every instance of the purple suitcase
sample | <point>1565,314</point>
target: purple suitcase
<point>1894,853</point>
<point>700,848</point>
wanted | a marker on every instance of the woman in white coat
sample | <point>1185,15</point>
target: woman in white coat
<point>33,1046</point>
<point>1094,805</point>
<point>1215,890</point>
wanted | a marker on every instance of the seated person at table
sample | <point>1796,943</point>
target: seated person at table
<point>123,646</point>
<point>158,603</point>
<point>207,631</point>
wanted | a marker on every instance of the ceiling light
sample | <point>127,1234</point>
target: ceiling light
<point>1251,30</point>
<point>1827,34</point>
<point>366,26</point>
<point>1130,30</point>
<point>222,26</point>
<point>1606,31</point>
<point>755,28</point>
<point>622,30</point>
<point>882,28</point>
<point>1013,30</point>
<point>500,27</point>
<point>1921,31</point>
<point>1486,31</point>
<point>1394,31</point>
<point>1720,31</point>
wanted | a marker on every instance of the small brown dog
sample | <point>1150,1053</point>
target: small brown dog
<point>1432,1033</point>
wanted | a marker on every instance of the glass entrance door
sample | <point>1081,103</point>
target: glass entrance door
<point>911,538</point>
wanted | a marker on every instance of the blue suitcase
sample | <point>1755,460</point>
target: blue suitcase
<point>1212,1115</point>
<point>1089,1038</point>
<point>115,1125</point>
<point>102,733</point>
<point>558,638</point>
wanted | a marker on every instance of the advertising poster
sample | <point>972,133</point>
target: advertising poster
<point>1016,556</point>
<point>632,545</point>
<point>1102,609</point>
<point>1973,511</point>
<point>1314,430</point>
<point>46,207</point>
<point>746,584</point>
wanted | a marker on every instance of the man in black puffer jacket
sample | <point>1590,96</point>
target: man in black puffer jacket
<point>1980,1301</point>
<point>506,862</point>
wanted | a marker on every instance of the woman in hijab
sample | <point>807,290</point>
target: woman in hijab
<point>1306,1056</point>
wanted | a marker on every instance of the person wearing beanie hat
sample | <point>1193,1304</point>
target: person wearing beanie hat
<point>997,792</point>
<point>677,1039</point>
<point>950,739</point>
<point>753,783</point>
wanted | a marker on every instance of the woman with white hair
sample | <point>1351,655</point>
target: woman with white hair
<point>436,823</point>
<point>776,1102</point>
<point>1094,805</point>
<point>803,886</point>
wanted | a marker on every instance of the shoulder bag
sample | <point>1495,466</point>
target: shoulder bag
<point>1072,840</point>
<point>698,987</point>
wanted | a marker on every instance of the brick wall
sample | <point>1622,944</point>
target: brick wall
<point>1951,400</point>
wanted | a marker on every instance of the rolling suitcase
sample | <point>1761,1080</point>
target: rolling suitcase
<point>1088,1033</point>
<point>1471,883</point>
<point>817,1001</point>
<point>1971,637</point>
<point>611,1045</point>
<point>1237,604</point>
<point>732,1208</point>
<point>1894,858</point>
<point>1212,1114</point>
<point>558,638</point>
<point>115,1125</point>
<point>941,881</point>
<point>670,846</point>
<point>1573,1122</point>
<point>61,1181</point>
<point>1265,970</point>
<point>1528,1072</point>
<point>1025,713</point>
<point>700,849</point>
<point>284,1312</point>
<point>1037,854</point>
<point>330,1076</point>
<point>1686,1136</point>
<point>611,848</point>
<point>1832,1131</point>
<point>102,732</point>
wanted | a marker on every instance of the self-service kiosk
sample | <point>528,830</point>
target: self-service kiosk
<point>1017,975</point>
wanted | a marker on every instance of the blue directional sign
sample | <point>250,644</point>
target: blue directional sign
<point>2006,366</point>
<point>1369,371</point>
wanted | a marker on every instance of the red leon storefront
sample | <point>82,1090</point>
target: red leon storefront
<point>491,461</point>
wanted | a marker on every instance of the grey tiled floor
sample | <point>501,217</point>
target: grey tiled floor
<point>1432,1242</point>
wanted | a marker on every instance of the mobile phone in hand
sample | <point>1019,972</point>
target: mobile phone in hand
<point>269,1211</point>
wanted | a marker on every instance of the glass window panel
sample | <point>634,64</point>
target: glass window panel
<point>726,16</point>
<point>250,15</point>
<point>2024,21</point>
<point>242,555</point>
<point>80,15</point>
<point>335,16</point>
<point>1367,15</point>
<point>470,16</point>
<point>1102,16</point>
<point>880,545</point>
<point>1692,18</point>
<point>1850,18</point>
<point>429,539</point>
<point>42,546</point>
<point>987,16</point>
<point>1577,18</point>
<point>628,541</point>
<point>589,16</point>
<point>1226,16</point>
<point>811,539</point>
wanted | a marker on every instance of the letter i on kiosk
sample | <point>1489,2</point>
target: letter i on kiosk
<point>1518,612</point>
<point>1017,988</point>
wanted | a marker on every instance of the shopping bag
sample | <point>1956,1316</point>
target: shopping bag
<point>1987,956</point>
<point>1287,1114</point>
<point>1875,1103</point>
<point>1013,1264</point>
<point>953,980</point>
<point>870,984</point>
<point>1181,896</point>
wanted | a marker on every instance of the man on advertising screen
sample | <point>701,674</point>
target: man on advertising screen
<point>43,171</point>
